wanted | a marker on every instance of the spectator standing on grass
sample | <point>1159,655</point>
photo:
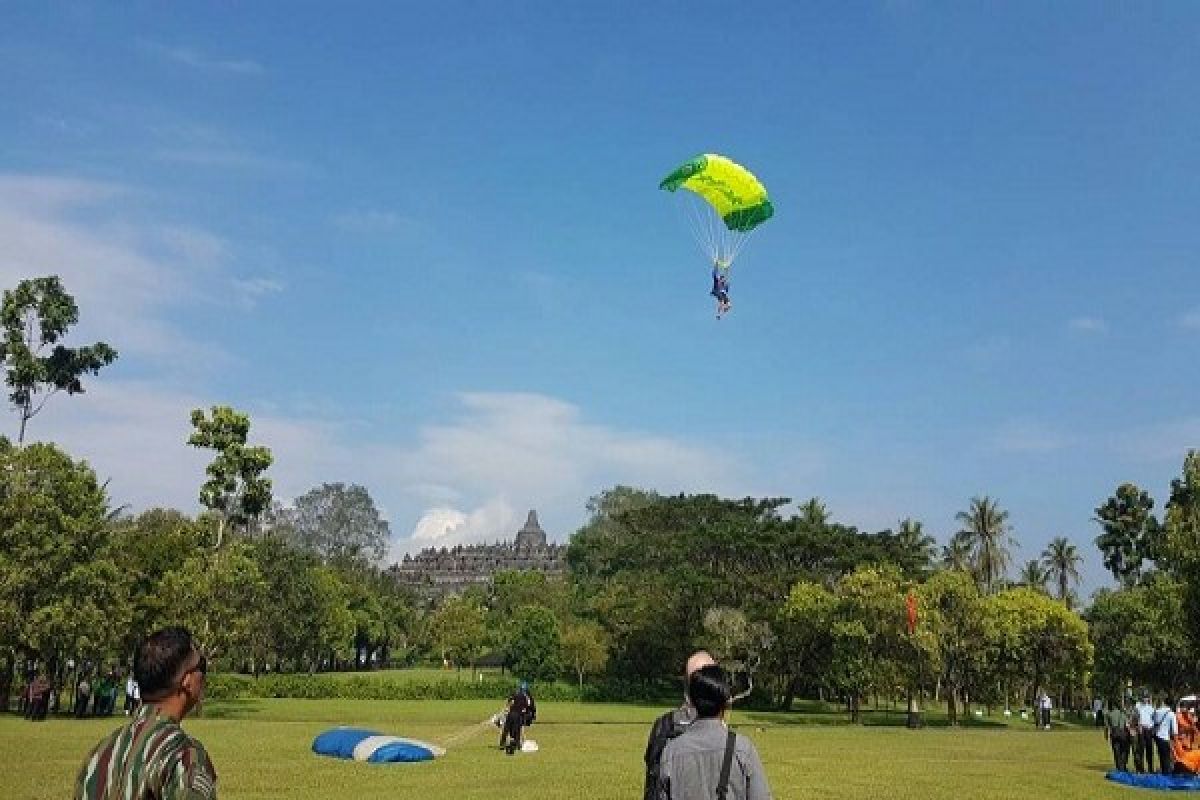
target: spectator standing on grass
<point>83,693</point>
<point>1143,746</point>
<point>1166,728</point>
<point>132,694</point>
<point>1118,729</point>
<point>709,760</point>
<point>671,724</point>
<point>150,757</point>
<point>1044,706</point>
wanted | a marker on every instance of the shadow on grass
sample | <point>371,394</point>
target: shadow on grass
<point>231,709</point>
<point>866,719</point>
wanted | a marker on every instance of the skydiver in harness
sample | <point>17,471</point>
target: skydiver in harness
<point>720,287</point>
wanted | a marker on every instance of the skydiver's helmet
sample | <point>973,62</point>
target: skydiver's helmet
<point>721,263</point>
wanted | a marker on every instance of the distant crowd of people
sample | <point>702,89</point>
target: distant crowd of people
<point>95,696</point>
<point>1166,731</point>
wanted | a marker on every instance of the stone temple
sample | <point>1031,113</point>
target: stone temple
<point>437,572</point>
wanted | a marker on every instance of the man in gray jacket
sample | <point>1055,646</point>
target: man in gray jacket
<point>709,760</point>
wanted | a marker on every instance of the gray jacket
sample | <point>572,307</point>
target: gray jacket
<point>691,766</point>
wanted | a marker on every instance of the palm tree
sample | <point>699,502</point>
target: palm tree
<point>913,540</point>
<point>1033,575</point>
<point>957,554</point>
<point>985,526</point>
<point>1062,561</point>
<point>815,513</point>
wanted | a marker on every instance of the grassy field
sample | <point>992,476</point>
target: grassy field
<point>261,749</point>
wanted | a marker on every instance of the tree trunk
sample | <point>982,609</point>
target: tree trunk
<point>789,694</point>
<point>951,707</point>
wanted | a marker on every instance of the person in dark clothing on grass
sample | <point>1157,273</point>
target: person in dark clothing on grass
<point>522,711</point>
<point>1118,731</point>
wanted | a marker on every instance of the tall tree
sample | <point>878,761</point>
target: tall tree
<point>917,549</point>
<point>236,488</point>
<point>458,630</point>
<point>1183,539</point>
<point>340,524</point>
<point>35,316</point>
<point>1062,561</point>
<point>584,647</point>
<point>956,556</point>
<point>1033,575</point>
<point>61,593</point>
<point>1130,534</point>
<point>534,644</point>
<point>985,525</point>
<point>814,512</point>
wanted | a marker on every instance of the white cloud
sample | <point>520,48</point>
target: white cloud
<point>201,61</point>
<point>1088,325</point>
<point>1190,320</point>
<point>250,290</point>
<point>125,276</point>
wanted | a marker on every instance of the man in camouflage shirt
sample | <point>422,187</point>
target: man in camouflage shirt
<point>150,757</point>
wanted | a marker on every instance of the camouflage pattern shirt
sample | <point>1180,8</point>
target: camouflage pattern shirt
<point>149,758</point>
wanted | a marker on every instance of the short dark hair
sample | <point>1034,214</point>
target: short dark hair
<point>708,691</point>
<point>160,659</point>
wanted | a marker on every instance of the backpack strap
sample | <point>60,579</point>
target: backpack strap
<point>726,764</point>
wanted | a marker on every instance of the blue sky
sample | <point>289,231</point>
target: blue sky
<point>422,244</point>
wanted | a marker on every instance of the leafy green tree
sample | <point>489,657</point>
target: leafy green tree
<point>35,317</point>
<point>511,589</point>
<point>957,554</point>
<point>534,644</point>
<point>803,629</point>
<point>917,550</point>
<point>738,643</point>
<point>1182,526</point>
<point>340,524</point>
<point>1131,534</point>
<point>1033,575</point>
<point>61,593</point>
<point>1135,632</point>
<point>147,547</point>
<point>458,630</point>
<point>814,512</point>
<point>236,489</point>
<point>985,526</point>
<point>952,607</point>
<point>219,596</point>
<point>584,647</point>
<point>1043,643</point>
<point>1062,561</point>
<point>869,633</point>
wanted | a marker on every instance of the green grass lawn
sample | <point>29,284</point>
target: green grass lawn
<point>262,750</point>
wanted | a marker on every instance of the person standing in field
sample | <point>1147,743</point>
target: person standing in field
<point>1166,728</point>
<point>150,757</point>
<point>709,760</point>
<point>1118,731</point>
<point>671,724</point>
<point>1143,747</point>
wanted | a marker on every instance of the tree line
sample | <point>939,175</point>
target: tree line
<point>796,604</point>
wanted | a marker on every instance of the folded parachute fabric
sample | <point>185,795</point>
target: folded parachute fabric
<point>1155,781</point>
<point>373,747</point>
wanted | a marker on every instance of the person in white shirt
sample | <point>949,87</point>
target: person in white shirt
<point>1044,705</point>
<point>1166,728</point>
<point>1143,745</point>
<point>132,696</point>
<point>1098,711</point>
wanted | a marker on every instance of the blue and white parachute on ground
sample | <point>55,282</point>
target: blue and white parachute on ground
<point>373,747</point>
<point>1185,783</point>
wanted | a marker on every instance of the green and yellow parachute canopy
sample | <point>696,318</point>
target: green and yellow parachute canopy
<point>724,204</point>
